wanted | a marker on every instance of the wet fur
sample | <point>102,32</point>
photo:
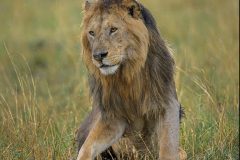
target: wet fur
<point>142,89</point>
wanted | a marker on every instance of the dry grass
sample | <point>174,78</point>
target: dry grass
<point>43,93</point>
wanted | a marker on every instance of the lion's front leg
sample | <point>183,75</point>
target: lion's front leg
<point>169,132</point>
<point>101,136</point>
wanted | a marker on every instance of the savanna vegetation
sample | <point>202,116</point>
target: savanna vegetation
<point>43,83</point>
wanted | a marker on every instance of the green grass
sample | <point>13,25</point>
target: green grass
<point>43,84</point>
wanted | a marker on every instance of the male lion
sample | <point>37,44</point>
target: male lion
<point>131,82</point>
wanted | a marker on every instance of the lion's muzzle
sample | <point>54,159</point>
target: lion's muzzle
<point>105,63</point>
<point>99,56</point>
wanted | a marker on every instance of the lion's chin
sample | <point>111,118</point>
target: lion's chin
<point>109,70</point>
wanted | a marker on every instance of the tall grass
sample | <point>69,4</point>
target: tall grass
<point>43,88</point>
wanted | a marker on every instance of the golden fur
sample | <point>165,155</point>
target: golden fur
<point>132,87</point>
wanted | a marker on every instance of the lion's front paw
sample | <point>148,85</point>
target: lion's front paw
<point>182,154</point>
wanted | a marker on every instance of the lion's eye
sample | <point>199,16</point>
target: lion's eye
<point>91,33</point>
<point>113,29</point>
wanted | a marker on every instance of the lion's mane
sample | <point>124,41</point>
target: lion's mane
<point>145,84</point>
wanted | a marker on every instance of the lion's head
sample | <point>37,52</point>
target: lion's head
<point>114,37</point>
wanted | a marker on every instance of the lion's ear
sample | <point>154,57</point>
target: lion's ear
<point>88,4</point>
<point>133,7</point>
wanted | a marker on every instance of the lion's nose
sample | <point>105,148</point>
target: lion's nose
<point>100,55</point>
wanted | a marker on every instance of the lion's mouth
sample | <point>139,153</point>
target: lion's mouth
<point>105,65</point>
<point>108,69</point>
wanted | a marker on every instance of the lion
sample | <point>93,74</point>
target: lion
<point>131,79</point>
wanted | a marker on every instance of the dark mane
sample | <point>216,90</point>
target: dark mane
<point>105,5</point>
<point>158,48</point>
<point>148,19</point>
<point>154,81</point>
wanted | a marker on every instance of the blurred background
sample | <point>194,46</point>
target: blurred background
<point>43,84</point>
